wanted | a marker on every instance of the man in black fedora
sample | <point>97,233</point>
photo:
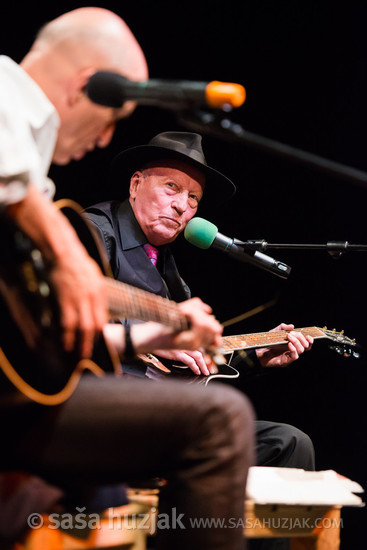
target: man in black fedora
<point>168,178</point>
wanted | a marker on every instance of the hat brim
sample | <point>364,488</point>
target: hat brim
<point>127,162</point>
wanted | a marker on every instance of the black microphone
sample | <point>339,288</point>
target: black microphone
<point>112,90</point>
<point>204,234</point>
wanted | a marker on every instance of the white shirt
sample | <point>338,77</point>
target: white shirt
<point>28,131</point>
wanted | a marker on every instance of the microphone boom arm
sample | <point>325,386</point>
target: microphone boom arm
<point>218,126</point>
<point>334,248</point>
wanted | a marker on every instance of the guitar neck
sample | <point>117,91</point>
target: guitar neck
<point>264,339</point>
<point>127,301</point>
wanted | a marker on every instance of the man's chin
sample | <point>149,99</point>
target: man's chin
<point>61,159</point>
<point>79,156</point>
<point>163,238</point>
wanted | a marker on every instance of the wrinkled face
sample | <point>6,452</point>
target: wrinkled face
<point>164,198</point>
<point>85,127</point>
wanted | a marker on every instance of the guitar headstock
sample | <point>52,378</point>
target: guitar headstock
<point>343,345</point>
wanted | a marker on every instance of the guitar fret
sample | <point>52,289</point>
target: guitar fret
<point>127,301</point>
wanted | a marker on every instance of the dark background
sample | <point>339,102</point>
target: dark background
<point>304,67</point>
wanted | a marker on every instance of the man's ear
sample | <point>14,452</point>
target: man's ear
<point>77,83</point>
<point>134,183</point>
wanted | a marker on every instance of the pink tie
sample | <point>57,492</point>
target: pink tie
<point>152,253</point>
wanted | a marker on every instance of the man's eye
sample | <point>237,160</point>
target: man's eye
<point>193,201</point>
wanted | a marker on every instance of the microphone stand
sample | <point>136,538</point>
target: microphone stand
<point>252,252</point>
<point>217,125</point>
<point>334,248</point>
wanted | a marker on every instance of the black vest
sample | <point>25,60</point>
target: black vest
<point>124,240</point>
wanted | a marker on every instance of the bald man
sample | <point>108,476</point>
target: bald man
<point>45,117</point>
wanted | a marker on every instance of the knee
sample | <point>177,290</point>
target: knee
<point>302,449</point>
<point>234,407</point>
<point>231,418</point>
<point>284,446</point>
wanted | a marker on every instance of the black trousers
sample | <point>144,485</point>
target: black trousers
<point>116,430</point>
<point>283,446</point>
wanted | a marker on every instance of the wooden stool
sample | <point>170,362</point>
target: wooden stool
<point>308,527</point>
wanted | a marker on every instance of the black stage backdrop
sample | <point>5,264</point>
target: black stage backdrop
<point>304,67</point>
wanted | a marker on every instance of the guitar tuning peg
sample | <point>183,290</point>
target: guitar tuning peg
<point>338,349</point>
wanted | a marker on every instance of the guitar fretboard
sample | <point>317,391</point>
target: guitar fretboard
<point>264,339</point>
<point>128,301</point>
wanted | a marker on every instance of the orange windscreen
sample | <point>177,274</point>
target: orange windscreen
<point>224,93</point>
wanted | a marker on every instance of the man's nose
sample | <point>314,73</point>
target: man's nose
<point>180,202</point>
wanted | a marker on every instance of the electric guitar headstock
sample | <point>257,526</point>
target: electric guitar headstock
<point>342,344</point>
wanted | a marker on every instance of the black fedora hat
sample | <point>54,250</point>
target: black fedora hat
<point>183,146</point>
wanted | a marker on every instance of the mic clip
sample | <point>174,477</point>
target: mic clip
<point>261,260</point>
<point>253,245</point>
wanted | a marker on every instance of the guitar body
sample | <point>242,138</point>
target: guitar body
<point>159,369</point>
<point>33,359</point>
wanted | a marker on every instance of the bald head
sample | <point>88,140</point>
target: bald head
<point>65,54</point>
<point>95,37</point>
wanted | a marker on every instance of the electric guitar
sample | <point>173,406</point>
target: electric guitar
<point>158,368</point>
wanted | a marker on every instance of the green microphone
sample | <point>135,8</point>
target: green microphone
<point>204,234</point>
<point>200,233</point>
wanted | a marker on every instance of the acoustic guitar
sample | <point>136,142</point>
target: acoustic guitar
<point>46,373</point>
